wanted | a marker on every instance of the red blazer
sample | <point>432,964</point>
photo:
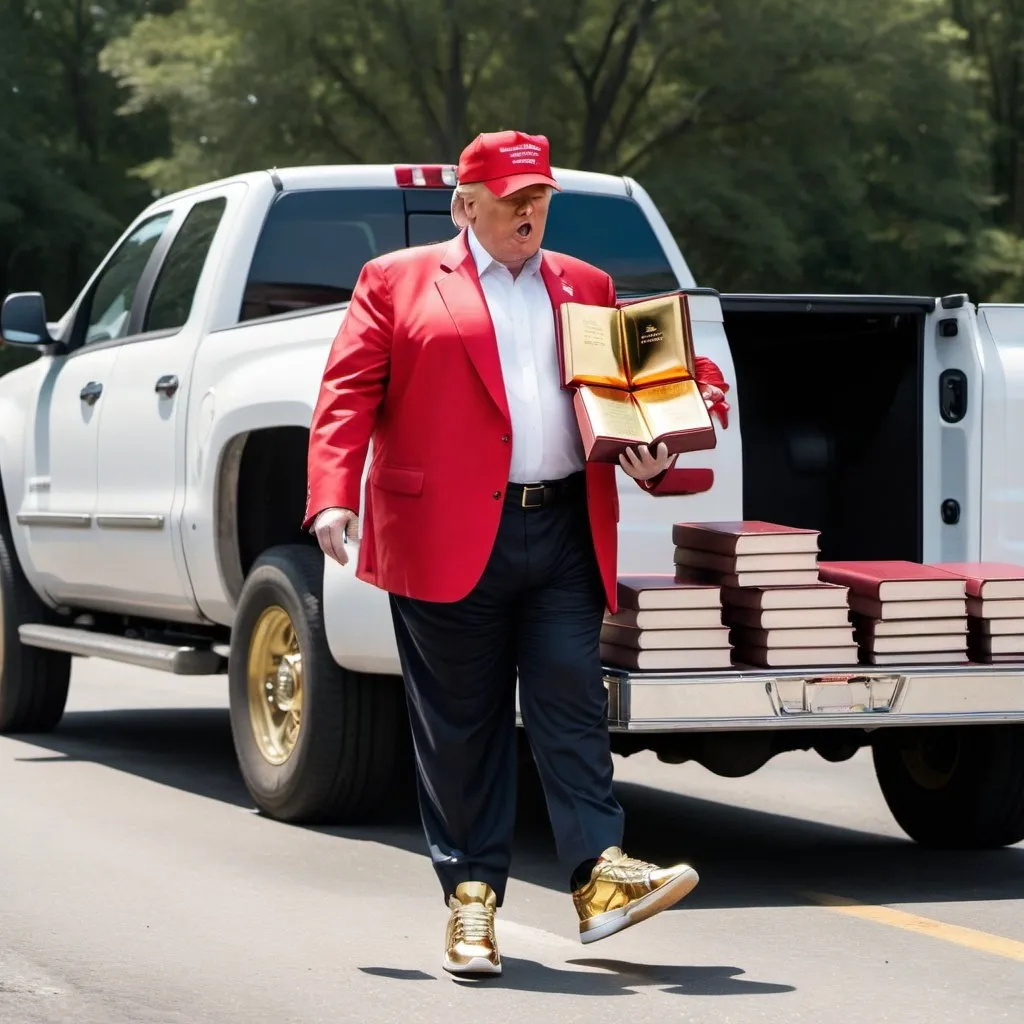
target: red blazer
<point>415,368</point>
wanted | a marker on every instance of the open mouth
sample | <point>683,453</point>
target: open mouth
<point>524,230</point>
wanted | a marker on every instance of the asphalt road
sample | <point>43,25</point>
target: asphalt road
<point>138,887</point>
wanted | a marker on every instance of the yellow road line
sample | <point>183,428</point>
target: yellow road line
<point>971,938</point>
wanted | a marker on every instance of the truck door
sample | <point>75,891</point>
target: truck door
<point>60,503</point>
<point>952,402</point>
<point>1002,467</point>
<point>142,437</point>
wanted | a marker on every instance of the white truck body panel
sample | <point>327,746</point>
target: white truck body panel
<point>121,506</point>
<point>1002,409</point>
<point>952,451</point>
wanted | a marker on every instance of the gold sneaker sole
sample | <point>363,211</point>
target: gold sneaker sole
<point>477,967</point>
<point>613,921</point>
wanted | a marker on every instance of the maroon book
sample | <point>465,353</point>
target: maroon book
<point>991,580</point>
<point>661,590</point>
<point>745,537</point>
<point>894,580</point>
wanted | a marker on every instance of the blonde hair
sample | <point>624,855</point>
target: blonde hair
<point>463,192</point>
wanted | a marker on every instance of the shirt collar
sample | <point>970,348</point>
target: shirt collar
<point>484,260</point>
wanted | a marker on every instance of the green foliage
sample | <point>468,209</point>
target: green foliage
<point>65,153</point>
<point>797,145</point>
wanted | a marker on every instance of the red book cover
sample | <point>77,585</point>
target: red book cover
<point>745,537</point>
<point>988,579</point>
<point>894,580</point>
<point>662,590</point>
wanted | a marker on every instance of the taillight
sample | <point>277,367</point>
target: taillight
<point>425,176</point>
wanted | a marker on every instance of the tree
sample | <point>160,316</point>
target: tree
<point>840,149</point>
<point>64,152</point>
<point>394,80</point>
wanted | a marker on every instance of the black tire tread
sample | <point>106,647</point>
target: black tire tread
<point>360,745</point>
<point>34,682</point>
<point>980,808</point>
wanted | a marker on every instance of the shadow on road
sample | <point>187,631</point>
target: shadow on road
<point>619,979</point>
<point>746,858</point>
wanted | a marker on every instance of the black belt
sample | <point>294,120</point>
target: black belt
<point>546,492</point>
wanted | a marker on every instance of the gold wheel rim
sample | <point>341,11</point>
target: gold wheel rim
<point>932,763</point>
<point>275,688</point>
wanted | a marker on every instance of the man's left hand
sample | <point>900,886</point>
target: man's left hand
<point>640,464</point>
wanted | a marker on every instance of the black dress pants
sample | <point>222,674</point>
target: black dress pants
<point>536,611</point>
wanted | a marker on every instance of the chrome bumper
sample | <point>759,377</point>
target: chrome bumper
<point>720,701</point>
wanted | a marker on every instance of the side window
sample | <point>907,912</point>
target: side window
<point>425,228</point>
<point>114,292</point>
<point>315,243</point>
<point>171,302</point>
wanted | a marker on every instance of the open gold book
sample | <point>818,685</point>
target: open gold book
<point>631,368</point>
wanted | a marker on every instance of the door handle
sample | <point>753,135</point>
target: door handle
<point>167,385</point>
<point>90,394</point>
<point>953,395</point>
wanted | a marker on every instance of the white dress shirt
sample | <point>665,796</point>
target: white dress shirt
<point>545,437</point>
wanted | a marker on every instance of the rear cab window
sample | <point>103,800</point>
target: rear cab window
<point>315,242</point>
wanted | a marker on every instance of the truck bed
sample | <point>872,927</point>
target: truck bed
<point>742,699</point>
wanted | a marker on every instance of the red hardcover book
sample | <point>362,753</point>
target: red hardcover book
<point>745,537</point>
<point>631,369</point>
<point>995,609</point>
<point>662,591</point>
<point>892,611</point>
<point>894,580</point>
<point>785,578</point>
<point>799,561</point>
<point>816,595</point>
<point>696,659</point>
<point>988,580</point>
<point>797,657</point>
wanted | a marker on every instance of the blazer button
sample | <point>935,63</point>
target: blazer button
<point>506,438</point>
<point>497,495</point>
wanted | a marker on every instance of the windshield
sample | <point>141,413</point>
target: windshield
<point>611,232</point>
<point>314,243</point>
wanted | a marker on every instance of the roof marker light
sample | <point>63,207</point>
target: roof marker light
<point>425,175</point>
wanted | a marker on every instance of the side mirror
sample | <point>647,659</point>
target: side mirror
<point>23,320</point>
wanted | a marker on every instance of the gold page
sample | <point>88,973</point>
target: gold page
<point>614,414</point>
<point>592,346</point>
<point>655,341</point>
<point>672,407</point>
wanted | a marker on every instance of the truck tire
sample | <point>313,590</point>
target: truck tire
<point>33,682</point>
<point>315,743</point>
<point>955,787</point>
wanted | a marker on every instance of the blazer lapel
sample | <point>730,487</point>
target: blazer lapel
<point>560,288</point>
<point>464,299</point>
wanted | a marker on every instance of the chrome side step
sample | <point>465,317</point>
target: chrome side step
<point>181,660</point>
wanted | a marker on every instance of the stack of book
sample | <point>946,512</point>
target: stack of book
<point>995,609</point>
<point>904,613</point>
<point>779,612</point>
<point>665,624</point>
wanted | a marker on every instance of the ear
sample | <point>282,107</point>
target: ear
<point>459,214</point>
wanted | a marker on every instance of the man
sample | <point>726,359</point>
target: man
<point>495,542</point>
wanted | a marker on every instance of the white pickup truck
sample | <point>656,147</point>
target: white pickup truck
<point>153,461</point>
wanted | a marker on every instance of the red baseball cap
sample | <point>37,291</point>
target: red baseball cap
<point>506,162</point>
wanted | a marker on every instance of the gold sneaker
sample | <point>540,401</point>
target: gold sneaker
<point>470,947</point>
<point>623,891</point>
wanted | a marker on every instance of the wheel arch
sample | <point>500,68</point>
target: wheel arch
<point>251,517</point>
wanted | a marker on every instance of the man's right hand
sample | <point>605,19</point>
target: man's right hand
<point>332,528</point>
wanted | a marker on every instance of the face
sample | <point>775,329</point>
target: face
<point>510,229</point>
